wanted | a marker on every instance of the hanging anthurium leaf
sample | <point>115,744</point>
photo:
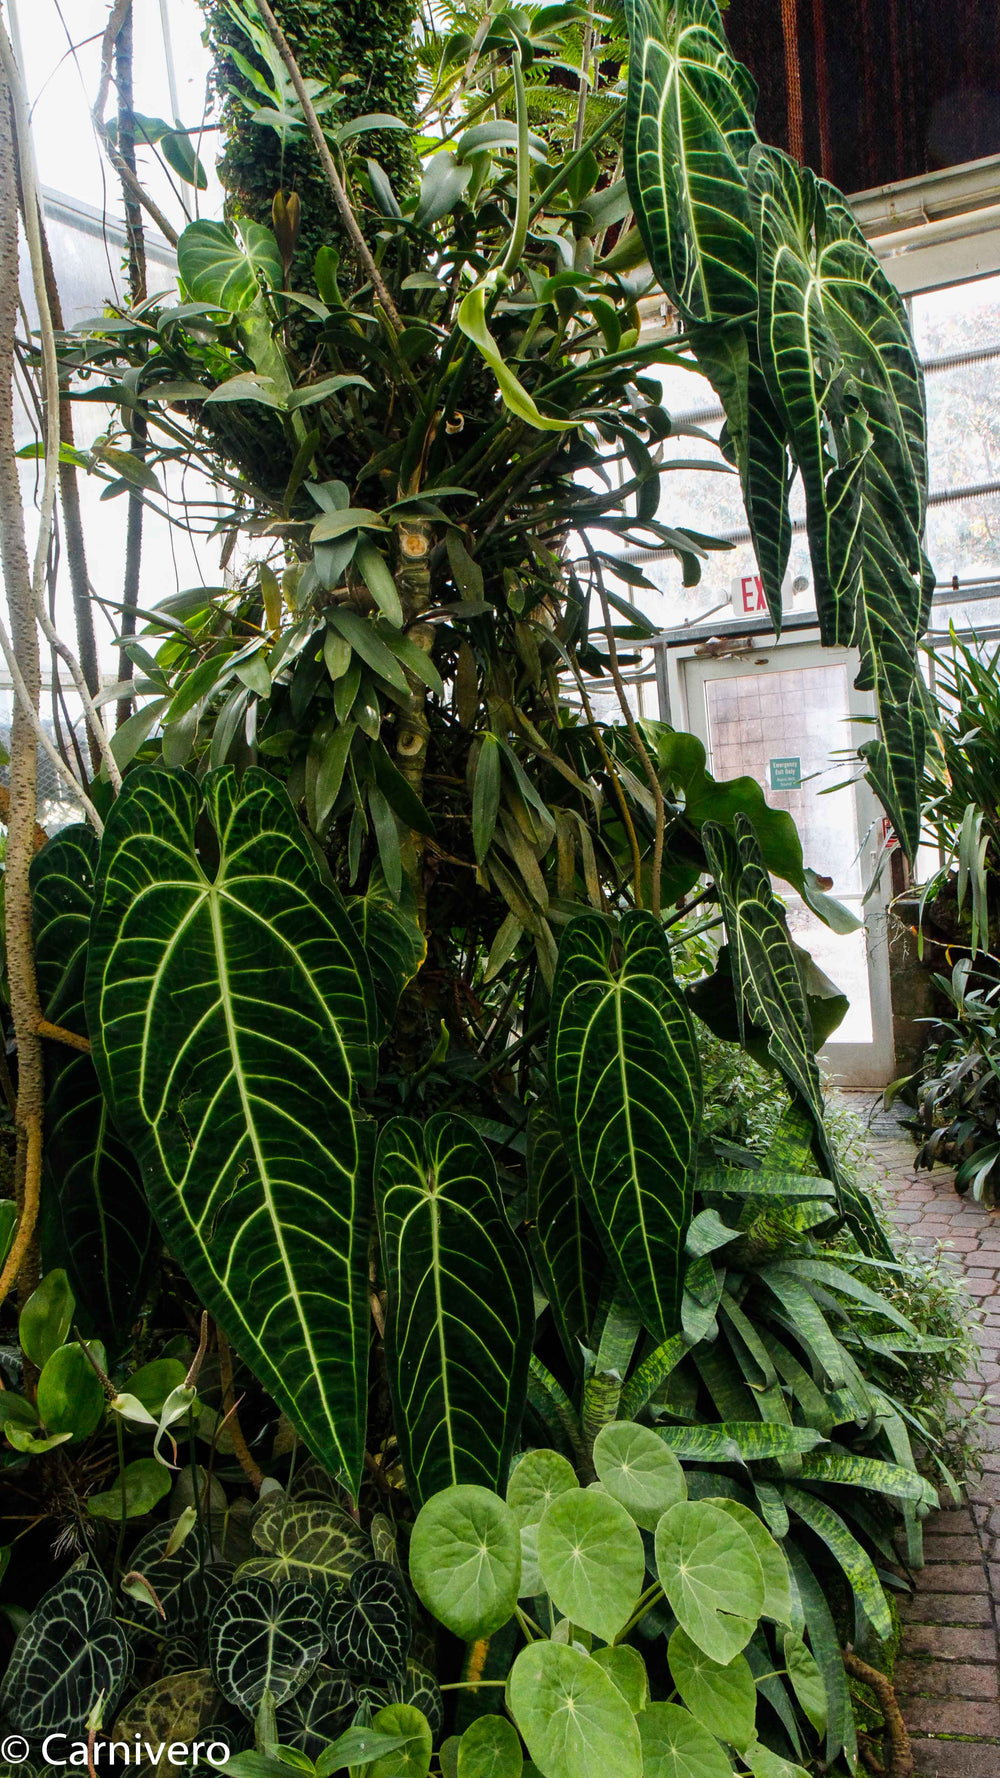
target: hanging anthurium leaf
<point>369,1629</point>
<point>70,1656</point>
<point>391,940</point>
<point>265,1638</point>
<point>461,1317</point>
<point>199,988</point>
<point>96,1221</point>
<point>566,1250</point>
<point>625,1073</point>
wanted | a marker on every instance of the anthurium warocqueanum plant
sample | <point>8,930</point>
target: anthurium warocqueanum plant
<point>376,954</point>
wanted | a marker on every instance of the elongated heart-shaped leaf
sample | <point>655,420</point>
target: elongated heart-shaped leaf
<point>187,1589</point>
<point>465,1560</point>
<point>566,1250</point>
<point>200,989</point>
<point>460,1321</point>
<point>369,1630</point>
<point>842,370</point>
<point>625,1072</point>
<point>70,1655</point>
<point>688,135</point>
<point>572,1715</point>
<point>264,1638</point>
<point>96,1222</point>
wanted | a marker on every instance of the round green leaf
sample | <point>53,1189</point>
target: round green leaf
<point>709,1570</point>
<point>807,1681</point>
<point>47,1317</point>
<point>626,1669</point>
<point>639,1470</point>
<point>465,1560</point>
<point>723,1698</point>
<point>413,1760</point>
<point>490,1748</point>
<point>777,1585</point>
<point>531,1574</point>
<point>218,268</point>
<point>534,1484</point>
<point>675,1746</point>
<point>448,1757</point>
<point>592,1561</point>
<point>140,1487</point>
<point>574,1719</point>
<point>70,1394</point>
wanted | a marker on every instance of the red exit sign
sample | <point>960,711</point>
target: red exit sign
<point>748,596</point>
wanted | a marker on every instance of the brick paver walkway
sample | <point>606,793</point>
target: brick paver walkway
<point>946,1675</point>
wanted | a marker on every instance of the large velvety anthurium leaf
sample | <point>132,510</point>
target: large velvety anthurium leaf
<point>624,1067</point>
<point>96,1222</point>
<point>842,370</point>
<point>592,1561</point>
<point>307,1540</point>
<point>175,1708</point>
<point>675,1746</point>
<point>318,1713</point>
<point>709,1570</point>
<point>229,1012</point>
<point>369,1628</point>
<point>265,1638</point>
<point>220,267</point>
<point>688,135</point>
<point>566,1250</point>
<point>572,1715</point>
<point>460,1321</point>
<point>70,1655</point>
<point>465,1560</point>
<point>187,1589</point>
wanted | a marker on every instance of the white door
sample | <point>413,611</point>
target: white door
<point>779,714</point>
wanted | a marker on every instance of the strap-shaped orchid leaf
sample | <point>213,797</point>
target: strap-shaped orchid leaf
<point>624,1068</point>
<point>566,1250</point>
<point>460,1322</point>
<point>96,1220</point>
<point>688,135</point>
<point>230,1006</point>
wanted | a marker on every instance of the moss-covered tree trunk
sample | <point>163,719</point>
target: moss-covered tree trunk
<point>369,41</point>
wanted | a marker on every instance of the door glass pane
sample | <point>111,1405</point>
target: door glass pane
<point>800,717</point>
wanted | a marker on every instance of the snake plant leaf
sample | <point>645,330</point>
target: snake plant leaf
<point>369,1628</point>
<point>264,1638</point>
<point>460,1315</point>
<point>674,1745</point>
<point>572,1715</point>
<point>841,1732</point>
<point>849,1555</point>
<point>70,1655</point>
<point>199,988</point>
<point>624,1068</point>
<point>806,1680</point>
<point>95,1219</point>
<point>734,1441</point>
<point>688,136</point>
<point>567,1253</point>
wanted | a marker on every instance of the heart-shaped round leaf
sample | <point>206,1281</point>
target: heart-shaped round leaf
<point>369,1630</point>
<point>490,1748</point>
<point>175,1708</point>
<point>675,1746</point>
<point>465,1560</point>
<point>534,1484</point>
<point>413,1759</point>
<point>531,1574</point>
<point>265,1638</point>
<point>220,269</point>
<point>639,1470</point>
<point>723,1699</point>
<point>777,1583</point>
<point>592,1561</point>
<point>709,1570</point>
<point>626,1669</point>
<point>307,1541</point>
<point>574,1719</point>
<point>318,1713</point>
<point>70,1394</point>
<point>70,1654</point>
